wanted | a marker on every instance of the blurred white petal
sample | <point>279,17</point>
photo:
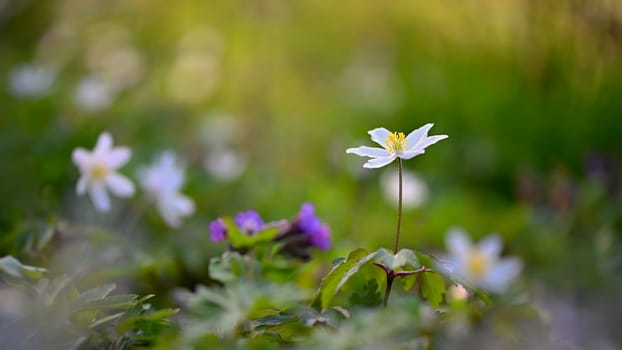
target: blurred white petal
<point>100,197</point>
<point>104,144</point>
<point>501,274</point>
<point>458,243</point>
<point>491,245</point>
<point>118,156</point>
<point>120,185</point>
<point>82,185</point>
<point>80,156</point>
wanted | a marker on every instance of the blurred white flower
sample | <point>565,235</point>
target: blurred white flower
<point>415,190</point>
<point>123,67</point>
<point>218,129</point>
<point>163,180</point>
<point>479,266</point>
<point>110,53</point>
<point>224,163</point>
<point>93,94</point>
<point>368,80</point>
<point>31,80</point>
<point>193,76</point>
<point>58,45</point>
<point>98,171</point>
<point>395,145</point>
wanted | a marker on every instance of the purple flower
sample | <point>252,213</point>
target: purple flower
<point>218,231</point>
<point>249,222</point>
<point>321,238</point>
<point>311,225</point>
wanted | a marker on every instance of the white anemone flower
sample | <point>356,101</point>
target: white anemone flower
<point>396,145</point>
<point>31,80</point>
<point>93,94</point>
<point>163,180</point>
<point>415,189</point>
<point>479,266</point>
<point>98,170</point>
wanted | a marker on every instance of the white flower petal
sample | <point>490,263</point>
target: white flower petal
<point>428,141</point>
<point>100,197</point>
<point>379,135</point>
<point>501,274</point>
<point>168,213</point>
<point>458,243</point>
<point>491,246</point>
<point>184,205</point>
<point>168,160</point>
<point>412,153</point>
<point>104,143</point>
<point>82,184</point>
<point>80,157</point>
<point>373,152</point>
<point>120,185</point>
<point>417,135</point>
<point>378,162</point>
<point>117,157</point>
<point>173,207</point>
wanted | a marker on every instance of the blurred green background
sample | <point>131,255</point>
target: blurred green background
<point>261,99</point>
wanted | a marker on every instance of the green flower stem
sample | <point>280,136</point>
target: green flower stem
<point>399,207</point>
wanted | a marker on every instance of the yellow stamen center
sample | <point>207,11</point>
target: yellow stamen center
<point>396,142</point>
<point>99,171</point>
<point>477,264</point>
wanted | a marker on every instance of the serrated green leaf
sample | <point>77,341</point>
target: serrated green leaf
<point>432,287</point>
<point>339,275</point>
<point>370,296</point>
<point>229,267</point>
<point>407,282</point>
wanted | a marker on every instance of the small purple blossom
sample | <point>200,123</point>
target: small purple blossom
<point>307,221</point>
<point>249,222</point>
<point>218,231</point>
<point>321,238</point>
<point>311,225</point>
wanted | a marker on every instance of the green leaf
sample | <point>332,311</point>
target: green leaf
<point>432,287</point>
<point>123,301</point>
<point>229,266</point>
<point>13,267</point>
<point>94,294</point>
<point>370,296</point>
<point>130,323</point>
<point>339,275</point>
<point>404,257</point>
<point>483,296</point>
<point>239,239</point>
